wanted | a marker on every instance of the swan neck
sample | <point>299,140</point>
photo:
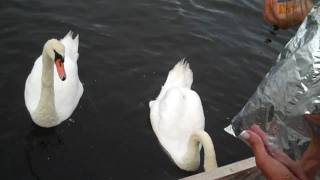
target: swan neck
<point>47,70</point>
<point>203,138</point>
<point>45,114</point>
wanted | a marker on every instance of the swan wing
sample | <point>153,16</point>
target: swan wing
<point>68,92</point>
<point>180,114</point>
<point>32,89</point>
<point>71,46</point>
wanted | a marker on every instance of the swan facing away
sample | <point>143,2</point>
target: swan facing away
<point>53,89</point>
<point>177,119</point>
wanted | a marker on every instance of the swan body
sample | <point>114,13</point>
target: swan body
<point>178,121</point>
<point>53,89</point>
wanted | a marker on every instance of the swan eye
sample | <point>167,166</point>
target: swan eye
<point>58,56</point>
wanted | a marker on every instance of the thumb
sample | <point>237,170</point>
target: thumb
<point>270,167</point>
<point>262,157</point>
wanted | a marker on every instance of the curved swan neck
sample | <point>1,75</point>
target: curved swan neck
<point>45,114</point>
<point>47,70</point>
<point>202,137</point>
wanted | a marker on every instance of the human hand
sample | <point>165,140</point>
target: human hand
<point>273,163</point>
<point>286,13</point>
<point>310,160</point>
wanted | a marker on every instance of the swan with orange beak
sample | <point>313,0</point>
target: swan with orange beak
<point>53,88</point>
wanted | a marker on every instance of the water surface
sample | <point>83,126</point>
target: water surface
<point>126,49</point>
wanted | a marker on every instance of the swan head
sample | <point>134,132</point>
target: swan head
<point>56,51</point>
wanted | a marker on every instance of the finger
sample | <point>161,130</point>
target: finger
<point>275,152</point>
<point>256,129</point>
<point>269,167</point>
<point>293,166</point>
<point>278,154</point>
<point>310,160</point>
<point>258,148</point>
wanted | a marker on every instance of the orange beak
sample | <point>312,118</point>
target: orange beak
<point>60,69</point>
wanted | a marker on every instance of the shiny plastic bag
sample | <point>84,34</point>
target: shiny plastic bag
<point>286,104</point>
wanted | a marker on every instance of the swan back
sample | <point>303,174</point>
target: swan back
<point>177,112</point>
<point>180,76</point>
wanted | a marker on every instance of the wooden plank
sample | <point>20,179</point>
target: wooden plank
<point>252,174</point>
<point>239,170</point>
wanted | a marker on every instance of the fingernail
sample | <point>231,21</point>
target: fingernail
<point>244,135</point>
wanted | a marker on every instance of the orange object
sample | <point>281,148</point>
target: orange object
<point>60,69</point>
<point>286,13</point>
<point>285,8</point>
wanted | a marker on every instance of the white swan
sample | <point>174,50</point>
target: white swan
<point>178,121</point>
<point>53,89</point>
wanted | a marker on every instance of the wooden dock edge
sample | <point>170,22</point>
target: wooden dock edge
<point>238,170</point>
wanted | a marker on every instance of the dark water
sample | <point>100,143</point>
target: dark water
<point>126,50</point>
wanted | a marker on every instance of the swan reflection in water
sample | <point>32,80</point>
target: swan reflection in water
<point>41,145</point>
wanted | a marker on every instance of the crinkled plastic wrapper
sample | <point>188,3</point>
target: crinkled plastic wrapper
<point>288,92</point>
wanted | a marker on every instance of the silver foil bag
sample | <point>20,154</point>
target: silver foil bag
<point>289,92</point>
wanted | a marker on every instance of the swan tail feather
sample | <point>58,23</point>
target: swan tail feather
<point>180,76</point>
<point>71,45</point>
